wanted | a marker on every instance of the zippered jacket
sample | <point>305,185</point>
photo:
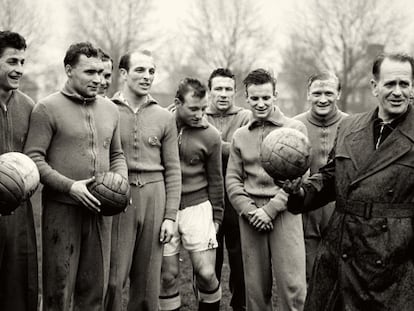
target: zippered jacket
<point>73,138</point>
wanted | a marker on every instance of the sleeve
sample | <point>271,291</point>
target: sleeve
<point>117,157</point>
<point>319,188</point>
<point>239,198</point>
<point>172,173</point>
<point>215,179</point>
<point>39,138</point>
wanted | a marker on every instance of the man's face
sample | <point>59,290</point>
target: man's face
<point>222,92</point>
<point>192,110</point>
<point>393,89</point>
<point>261,98</point>
<point>11,68</point>
<point>141,74</point>
<point>106,78</point>
<point>323,95</point>
<point>85,76</point>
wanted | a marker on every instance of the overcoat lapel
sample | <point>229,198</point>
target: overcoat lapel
<point>369,161</point>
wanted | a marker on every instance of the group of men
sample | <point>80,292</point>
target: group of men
<point>197,183</point>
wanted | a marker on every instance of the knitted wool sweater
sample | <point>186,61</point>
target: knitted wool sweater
<point>14,122</point>
<point>246,179</point>
<point>201,168</point>
<point>149,140</point>
<point>72,138</point>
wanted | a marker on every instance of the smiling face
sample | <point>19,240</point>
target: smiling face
<point>85,75</point>
<point>322,96</point>
<point>106,78</point>
<point>11,68</point>
<point>222,92</point>
<point>261,98</point>
<point>140,75</point>
<point>393,88</point>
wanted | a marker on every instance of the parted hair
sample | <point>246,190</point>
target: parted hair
<point>399,57</point>
<point>221,72</point>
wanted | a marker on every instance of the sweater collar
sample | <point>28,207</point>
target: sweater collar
<point>212,110</point>
<point>327,120</point>
<point>70,92</point>
<point>276,117</point>
<point>119,98</point>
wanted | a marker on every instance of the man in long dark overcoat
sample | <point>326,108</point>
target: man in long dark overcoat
<point>366,260</point>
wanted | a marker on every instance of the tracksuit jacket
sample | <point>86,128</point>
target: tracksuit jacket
<point>67,149</point>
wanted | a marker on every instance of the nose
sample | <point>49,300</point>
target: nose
<point>397,91</point>
<point>146,74</point>
<point>223,93</point>
<point>198,115</point>
<point>323,99</point>
<point>19,68</point>
<point>97,78</point>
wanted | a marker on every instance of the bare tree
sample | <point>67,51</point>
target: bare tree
<point>24,17</point>
<point>115,26</point>
<point>227,34</point>
<point>337,35</point>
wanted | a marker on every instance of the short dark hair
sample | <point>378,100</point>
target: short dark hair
<point>399,57</point>
<point>190,85</point>
<point>221,72</point>
<point>105,57</point>
<point>323,76</point>
<point>78,49</point>
<point>258,77</point>
<point>125,60</point>
<point>9,39</point>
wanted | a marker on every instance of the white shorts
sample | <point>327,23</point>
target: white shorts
<point>194,228</point>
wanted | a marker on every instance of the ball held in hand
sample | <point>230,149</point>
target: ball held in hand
<point>112,190</point>
<point>285,154</point>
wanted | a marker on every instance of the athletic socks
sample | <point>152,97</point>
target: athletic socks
<point>209,300</point>
<point>170,303</point>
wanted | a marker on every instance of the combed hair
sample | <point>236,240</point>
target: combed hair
<point>125,60</point>
<point>78,49</point>
<point>399,57</point>
<point>323,76</point>
<point>105,57</point>
<point>221,72</point>
<point>9,39</point>
<point>258,77</point>
<point>190,85</point>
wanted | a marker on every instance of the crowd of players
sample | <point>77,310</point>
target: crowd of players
<point>197,184</point>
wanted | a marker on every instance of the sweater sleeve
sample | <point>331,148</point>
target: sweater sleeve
<point>117,157</point>
<point>215,179</point>
<point>41,131</point>
<point>172,173</point>
<point>239,198</point>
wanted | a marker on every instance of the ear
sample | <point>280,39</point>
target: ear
<point>339,95</point>
<point>374,87</point>
<point>68,70</point>
<point>123,73</point>
<point>275,94</point>
<point>177,102</point>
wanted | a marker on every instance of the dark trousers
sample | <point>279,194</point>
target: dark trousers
<point>230,233</point>
<point>76,251</point>
<point>18,261</point>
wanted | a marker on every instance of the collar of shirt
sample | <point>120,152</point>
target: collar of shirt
<point>276,117</point>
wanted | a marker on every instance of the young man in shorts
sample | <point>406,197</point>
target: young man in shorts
<point>201,207</point>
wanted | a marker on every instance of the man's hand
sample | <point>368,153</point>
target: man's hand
<point>80,192</point>
<point>167,230</point>
<point>260,220</point>
<point>294,186</point>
